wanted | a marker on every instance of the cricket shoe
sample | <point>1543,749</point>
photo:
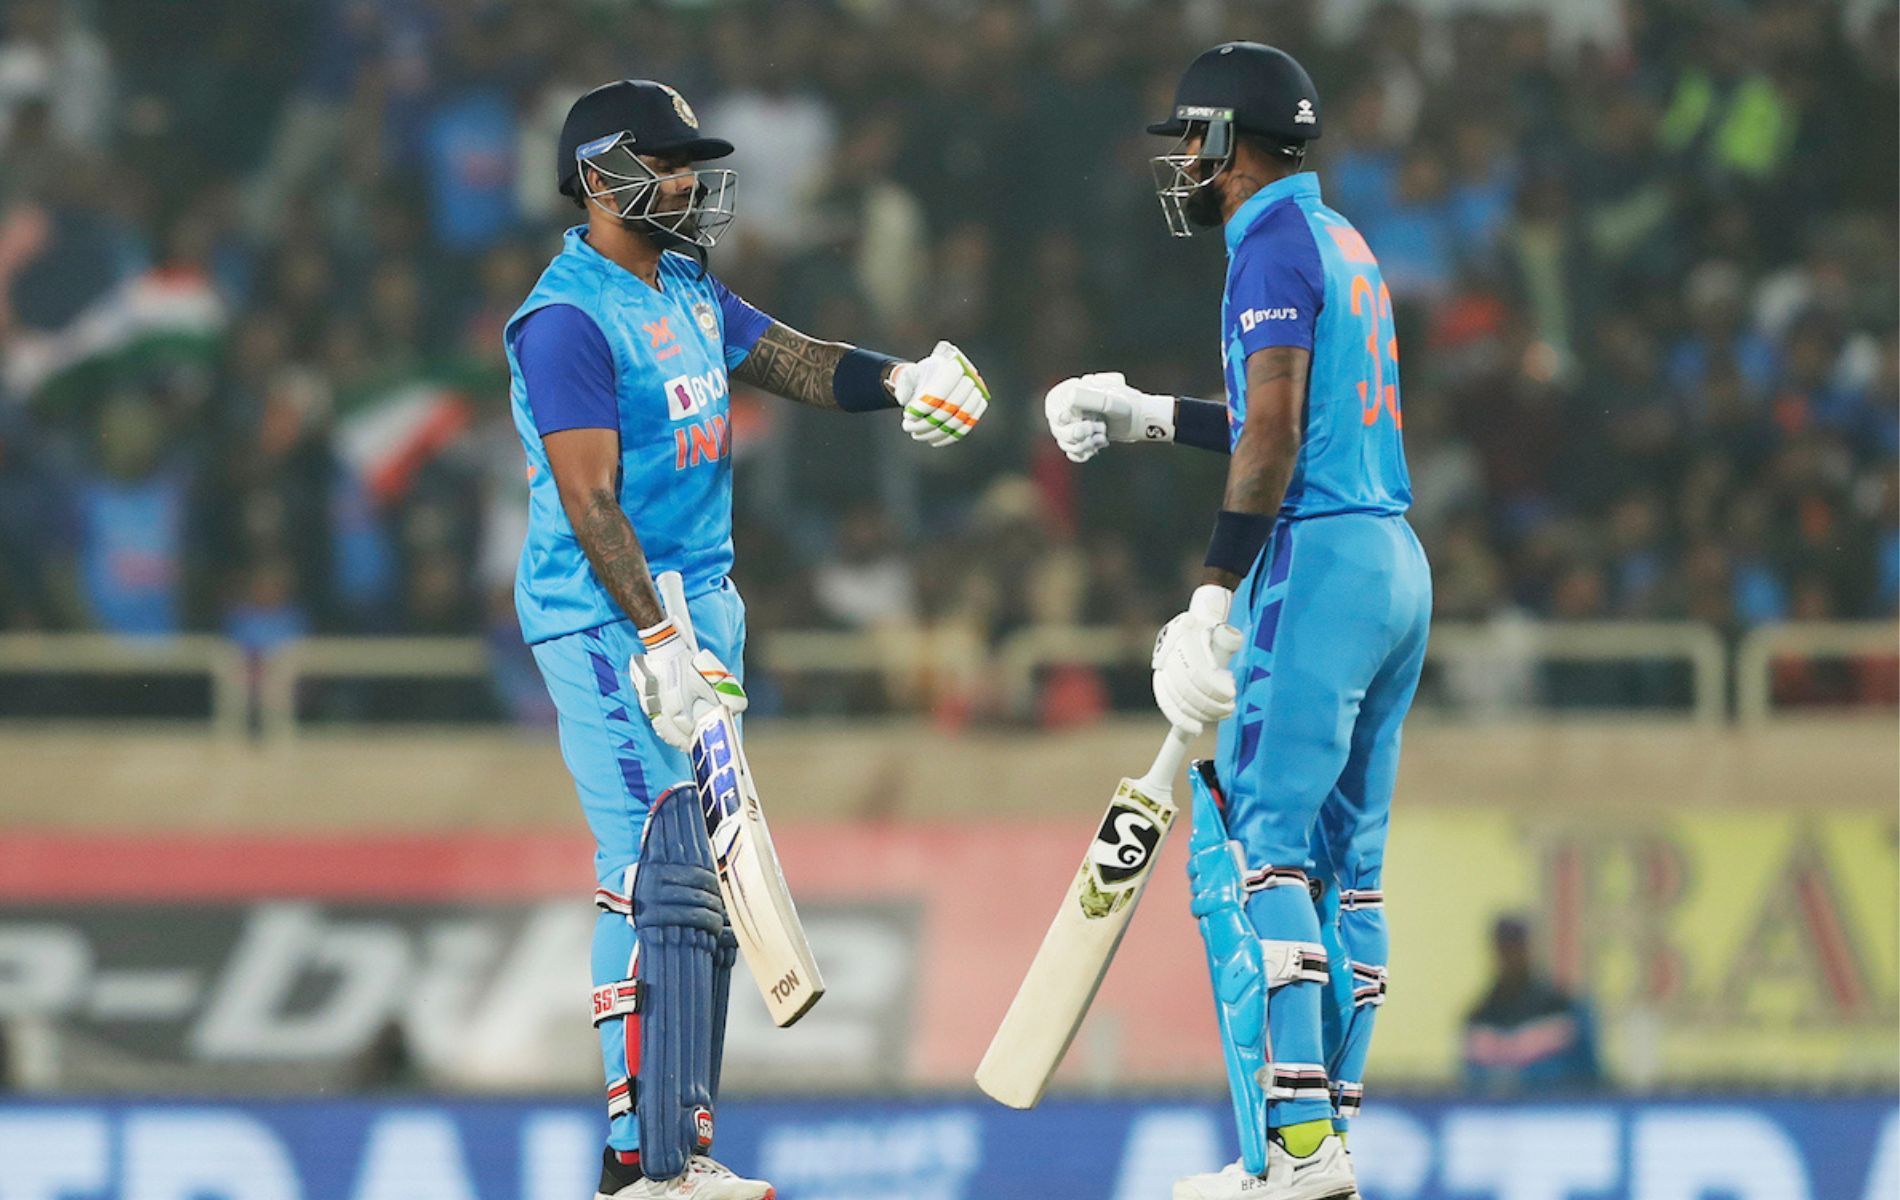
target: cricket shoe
<point>703,1179</point>
<point>1325,1174</point>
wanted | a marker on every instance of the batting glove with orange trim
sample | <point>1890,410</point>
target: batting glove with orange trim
<point>674,684</point>
<point>942,397</point>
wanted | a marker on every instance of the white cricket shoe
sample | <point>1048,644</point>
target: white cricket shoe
<point>1325,1174</point>
<point>703,1179</point>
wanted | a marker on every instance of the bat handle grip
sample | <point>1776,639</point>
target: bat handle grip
<point>672,589</point>
<point>1160,777</point>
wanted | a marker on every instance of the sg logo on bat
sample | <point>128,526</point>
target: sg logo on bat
<point>1123,845</point>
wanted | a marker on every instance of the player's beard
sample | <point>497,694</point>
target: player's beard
<point>666,228</point>
<point>664,234</point>
<point>1202,207</point>
<point>688,226</point>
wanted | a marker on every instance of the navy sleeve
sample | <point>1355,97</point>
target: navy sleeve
<point>568,370</point>
<point>744,324</point>
<point>1277,283</point>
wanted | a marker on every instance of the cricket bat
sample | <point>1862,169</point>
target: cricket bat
<point>758,903</point>
<point>1081,942</point>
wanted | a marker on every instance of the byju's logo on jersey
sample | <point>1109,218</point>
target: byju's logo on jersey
<point>690,395</point>
<point>1255,317</point>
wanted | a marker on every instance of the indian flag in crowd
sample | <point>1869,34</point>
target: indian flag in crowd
<point>167,315</point>
<point>387,440</point>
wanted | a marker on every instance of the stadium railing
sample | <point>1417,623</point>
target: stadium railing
<point>1761,648</point>
<point>220,662</point>
<point>1020,656</point>
<point>359,658</point>
<point>263,694</point>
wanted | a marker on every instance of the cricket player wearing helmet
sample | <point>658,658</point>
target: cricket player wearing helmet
<point>621,360</point>
<point>1306,636</point>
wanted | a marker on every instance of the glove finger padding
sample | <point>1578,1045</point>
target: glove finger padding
<point>1209,698</point>
<point>1176,716</point>
<point>725,685</point>
<point>1193,684</point>
<point>943,397</point>
<point>941,417</point>
<point>1207,682</point>
<point>671,689</point>
<point>1082,440</point>
<point>646,689</point>
<point>1168,700</point>
<point>1058,405</point>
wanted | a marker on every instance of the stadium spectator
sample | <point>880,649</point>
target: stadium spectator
<point>1527,1036</point>
<point>134,536</point>
<point>1644,271</point>
<point>50,57</point>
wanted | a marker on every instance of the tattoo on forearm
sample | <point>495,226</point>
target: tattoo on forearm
<point>612,547</point>
<point>787,363</point>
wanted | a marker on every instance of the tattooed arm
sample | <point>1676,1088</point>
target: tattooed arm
<point>1270,440</point>
<point>586,466</point>
<point>787,363</point>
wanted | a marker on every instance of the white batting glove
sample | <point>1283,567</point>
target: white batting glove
<point>942,397</point>
<point>1088,412</point>
<point>1193,685</point>
<point>674,683</point>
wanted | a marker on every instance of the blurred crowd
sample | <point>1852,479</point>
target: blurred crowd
<point>255,260</point>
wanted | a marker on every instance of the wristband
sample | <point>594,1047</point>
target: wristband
<point>659,636</point>
<point>1202,424</point>
<point>858,383</point>
<point>1237,541</point>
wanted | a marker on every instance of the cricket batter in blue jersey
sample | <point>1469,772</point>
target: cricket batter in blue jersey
<point>621,362</point>
<point>1306,636</point>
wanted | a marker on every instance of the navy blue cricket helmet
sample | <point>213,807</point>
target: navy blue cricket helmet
<point>1233,88</point>
<point>613,129</point>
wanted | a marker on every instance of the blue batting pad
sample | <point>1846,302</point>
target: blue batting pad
<point>678,917</point>
<point>1217,883</point>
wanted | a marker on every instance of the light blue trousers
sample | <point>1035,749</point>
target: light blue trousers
<point>620,766</point>
<point>1336,613</point>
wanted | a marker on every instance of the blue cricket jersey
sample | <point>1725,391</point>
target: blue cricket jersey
<point>1299,274</point>
<point>595,346</point>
